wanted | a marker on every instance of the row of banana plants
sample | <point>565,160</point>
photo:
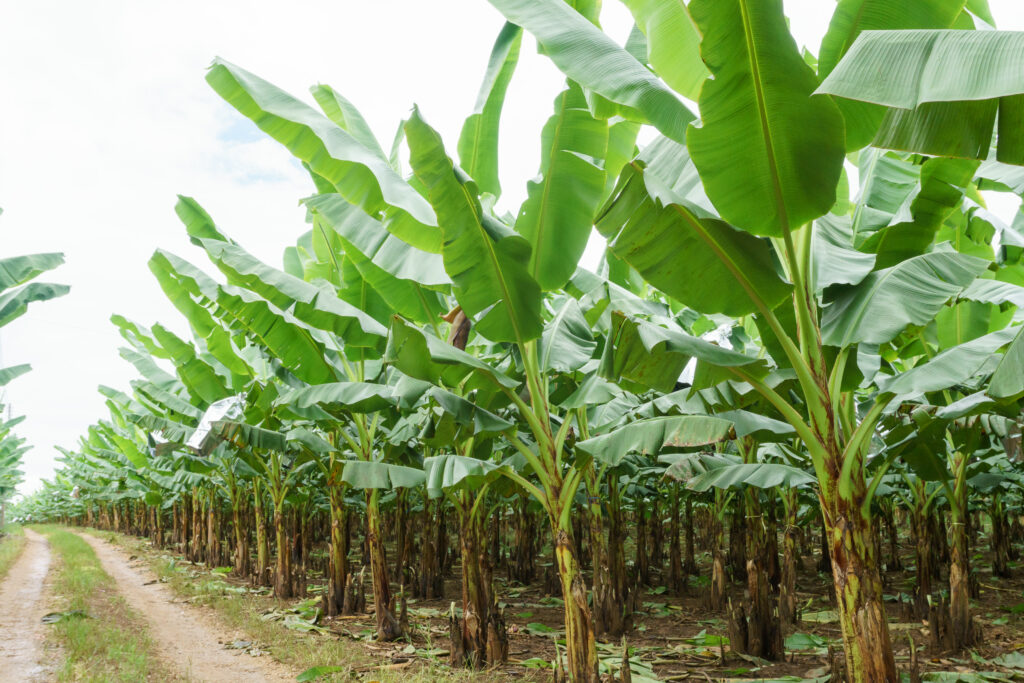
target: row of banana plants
<point>17,292</point>
<point>756,328</point>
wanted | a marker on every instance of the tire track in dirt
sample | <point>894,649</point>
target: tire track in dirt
<point>185,639</point>
<point>21,612</point>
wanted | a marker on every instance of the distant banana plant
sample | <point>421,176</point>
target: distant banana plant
<point>17,291</point>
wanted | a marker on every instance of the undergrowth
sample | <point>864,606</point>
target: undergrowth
<point>100,637</point>
<point>12,540</point>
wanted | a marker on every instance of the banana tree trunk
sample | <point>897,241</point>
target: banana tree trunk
<point>197,527</point>
<point>676,578</point>
<point>283,573</point>
<point>159,521</point>
<point>388,627</point>
<point>477,592</point>
<point>401,528</point>
<point>961,625</point>
<point>262,542</point>
<point>338,563</point>
<point>522,565</point>
<point>241,535</point>
<point>923,561</point>
<point>430,583</point>
<point>212,531</point>
<point>716,598</point>
<point>764,635</point>
<point>1000,538</point>
<point>858,585</point>
<point>787,589</point>
<point>600,579</point>
<point>689,562</point>
<point>894,564</point>
<point>641,562</point>
<point>580,644</point>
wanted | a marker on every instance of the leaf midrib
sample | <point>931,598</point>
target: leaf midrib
<point>759,96</point>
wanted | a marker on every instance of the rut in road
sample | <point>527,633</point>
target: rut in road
<point>21,612</point>
<point>185,639</point>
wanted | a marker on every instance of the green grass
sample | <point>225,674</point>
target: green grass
<point>11,542</point>
<point>112,643</point>
<point>299,651</point>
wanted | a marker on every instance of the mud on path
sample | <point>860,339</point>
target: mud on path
<point>21,611</point>
<point>186,640</point>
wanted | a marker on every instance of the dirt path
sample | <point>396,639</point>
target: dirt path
<point>185,638</point>
<point>21,611</point>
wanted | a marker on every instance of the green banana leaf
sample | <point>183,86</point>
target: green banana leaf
<point>558,213</point>
<point>886,301</point>
<point>399,273</point>
<point>648,226</point>
<point>1008,378</point>
<point>950,367</point>
<point>651,436</point>
<point>450,472</point>
<point>944,89</point>
<point>654,356</point>
<point>337,399</point>
<point>478,141</point>
<point>769,151</point>
<point>345,115</point>
<point>361,474</point>
<point>17,270</point>
<point>15,302</point>
<point>485,259</point>
<point>567,343</point>
<point>357,173</point>
<point>834,260</point>
<point>673,44</point>
<point>849,20</point>
<point>13,372</point>
<point>467,413</point>
<point>425,357</point>
<point>763,475</point>
<point>592,59</point>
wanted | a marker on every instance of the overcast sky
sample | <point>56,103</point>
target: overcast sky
<point>106,117</point>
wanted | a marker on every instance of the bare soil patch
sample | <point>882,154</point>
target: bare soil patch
<point>21,609</point>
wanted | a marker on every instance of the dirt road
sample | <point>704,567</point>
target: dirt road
<point>186,639</point>
<point>21,611</point>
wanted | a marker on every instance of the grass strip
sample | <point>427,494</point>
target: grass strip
<point>110,642</point>
<point>12,540</point>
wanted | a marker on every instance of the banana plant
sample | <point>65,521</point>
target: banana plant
<point>282,458</point>
<point>17,292</point>
<point>813,320</point>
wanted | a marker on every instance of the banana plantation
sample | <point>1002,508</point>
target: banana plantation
<point>774,434</point>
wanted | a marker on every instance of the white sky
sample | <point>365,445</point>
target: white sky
<point>106,117</point>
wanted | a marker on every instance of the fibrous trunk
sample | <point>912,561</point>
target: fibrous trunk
<point>483,641</point>
<point>787,588</point>
<point>764,636</point>
<point>962,628</point>
<point>388,627</point>
<point>241,530</point>
<point>858,585</point>
<point>337,568</point>
<point>580,644</point>
<point>283,573</point>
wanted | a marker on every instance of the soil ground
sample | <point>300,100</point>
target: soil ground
<point>186,639</point>
<point>676,637</point>
<point>673,638</point>
<point>22,606</point>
